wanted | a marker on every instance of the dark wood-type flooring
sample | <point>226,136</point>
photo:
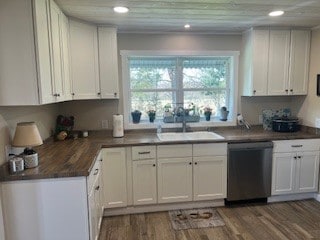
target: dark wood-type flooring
<point>286,220</point>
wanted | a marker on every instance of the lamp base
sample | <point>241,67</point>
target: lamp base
<point>31,161</point>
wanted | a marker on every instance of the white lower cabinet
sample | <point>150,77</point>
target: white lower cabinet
<point>174,180</point>
<point>195,172</point>
<point>95,199</point>
<point>209,177</point>
<point>144,174</point>
<point>46,209</point>
<point>114,177</point>
<point>295,166</point>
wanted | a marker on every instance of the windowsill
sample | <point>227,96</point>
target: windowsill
<point>148,125</point>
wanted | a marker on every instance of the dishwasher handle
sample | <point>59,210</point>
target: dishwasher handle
<point>251,145</point>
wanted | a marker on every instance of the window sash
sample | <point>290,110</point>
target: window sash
<point>231,90</point>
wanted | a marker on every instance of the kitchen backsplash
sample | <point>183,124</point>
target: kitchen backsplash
<point>269,114</point>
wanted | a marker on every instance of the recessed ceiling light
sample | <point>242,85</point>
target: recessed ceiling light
<point>276,13</point>
<point>120,9</point>
<point>187,26</point>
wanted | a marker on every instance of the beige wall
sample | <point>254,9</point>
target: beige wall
<point>310,109</point>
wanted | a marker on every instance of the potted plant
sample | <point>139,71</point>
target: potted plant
<point>224,114</point>
<point>152,115</point>
<point>207,111</point>
<point>136,115</point>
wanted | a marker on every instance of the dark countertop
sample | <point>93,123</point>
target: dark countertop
<point>75,157</point>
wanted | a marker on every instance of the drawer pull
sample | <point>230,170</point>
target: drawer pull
<point>96,172</point>
<point>296,146</point>
<point>97,188</point>
<point>144,152</point>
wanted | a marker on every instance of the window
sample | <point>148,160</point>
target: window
<point>167,81</point>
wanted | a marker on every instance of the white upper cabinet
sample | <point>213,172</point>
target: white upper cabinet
<point>31,68</point>
<point>299,62</point>
<point>278,65</point>
<point>255,62</point>
<point>108,62</point>
<point>25,54</point>
<point>275,62</point>
<point>65,48</point>
<point>60,54</point>
<point>84,60</point>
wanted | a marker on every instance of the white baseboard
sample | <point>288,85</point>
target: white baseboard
<point>162,207</point>
<point>292,197</point>
<point>317,196</point>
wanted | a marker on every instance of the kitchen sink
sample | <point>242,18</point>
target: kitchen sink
<point>188,136</point>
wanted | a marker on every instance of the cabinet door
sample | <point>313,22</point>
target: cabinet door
<point>92,215</point>
<point>283,173</point>
<point>144,182</point>
<point>108,62</point>
<point>278,67</point>
<point>299,62</point>
<point>44,53</point>
<point>56,62</point>
<point>65,53</point>
<point>209,177</point>
<point>174,180</point>
<point>84,61</point>
<point>307,171</point>
<point>259,63</point>
<point>114,177</point>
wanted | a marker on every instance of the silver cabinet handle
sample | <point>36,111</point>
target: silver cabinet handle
<point>296,146</point>
<point>144,152</point>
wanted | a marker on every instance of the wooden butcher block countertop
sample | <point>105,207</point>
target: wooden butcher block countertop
<point>75,157</point>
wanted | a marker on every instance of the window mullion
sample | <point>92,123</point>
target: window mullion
<point>179,78</point>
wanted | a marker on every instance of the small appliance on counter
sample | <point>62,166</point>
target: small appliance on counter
<point>285,124</point>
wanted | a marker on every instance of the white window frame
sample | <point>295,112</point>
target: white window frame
<point>234,66</point>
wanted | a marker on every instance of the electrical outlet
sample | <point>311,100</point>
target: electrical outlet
<point>260,119</point>
<point>104,124</point>
<point>317,122</point>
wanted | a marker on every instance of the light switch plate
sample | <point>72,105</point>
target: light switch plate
<point>317,122</point>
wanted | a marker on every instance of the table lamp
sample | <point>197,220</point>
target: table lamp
<point>27,135</point>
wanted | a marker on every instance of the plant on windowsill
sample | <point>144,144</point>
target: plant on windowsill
<point>168,114</point>
<point>224,114</point>
<point>207,111</point>
<point>136,115</point>
<point>152,115</point>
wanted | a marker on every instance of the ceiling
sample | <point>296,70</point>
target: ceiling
<point>205,16</point>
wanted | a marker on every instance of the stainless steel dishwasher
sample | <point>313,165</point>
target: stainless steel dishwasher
<point>249,171</point>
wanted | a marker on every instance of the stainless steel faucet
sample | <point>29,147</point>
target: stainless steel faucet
<point>184,123</point>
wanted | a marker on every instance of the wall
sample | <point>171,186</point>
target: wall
<point>310,106</point>
<point>44,116</point>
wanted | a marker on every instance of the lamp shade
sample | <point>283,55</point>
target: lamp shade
<point>26,135</point>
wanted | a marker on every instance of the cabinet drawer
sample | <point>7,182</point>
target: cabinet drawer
<point>209,149</point>
<point>296,145</point>
<point>143,152</point>
<point>176,150</point>
<point>95,171</point>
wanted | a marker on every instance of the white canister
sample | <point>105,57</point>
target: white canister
<point>118,130</point>
<point>16,164</point>
<point>31,161</point>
